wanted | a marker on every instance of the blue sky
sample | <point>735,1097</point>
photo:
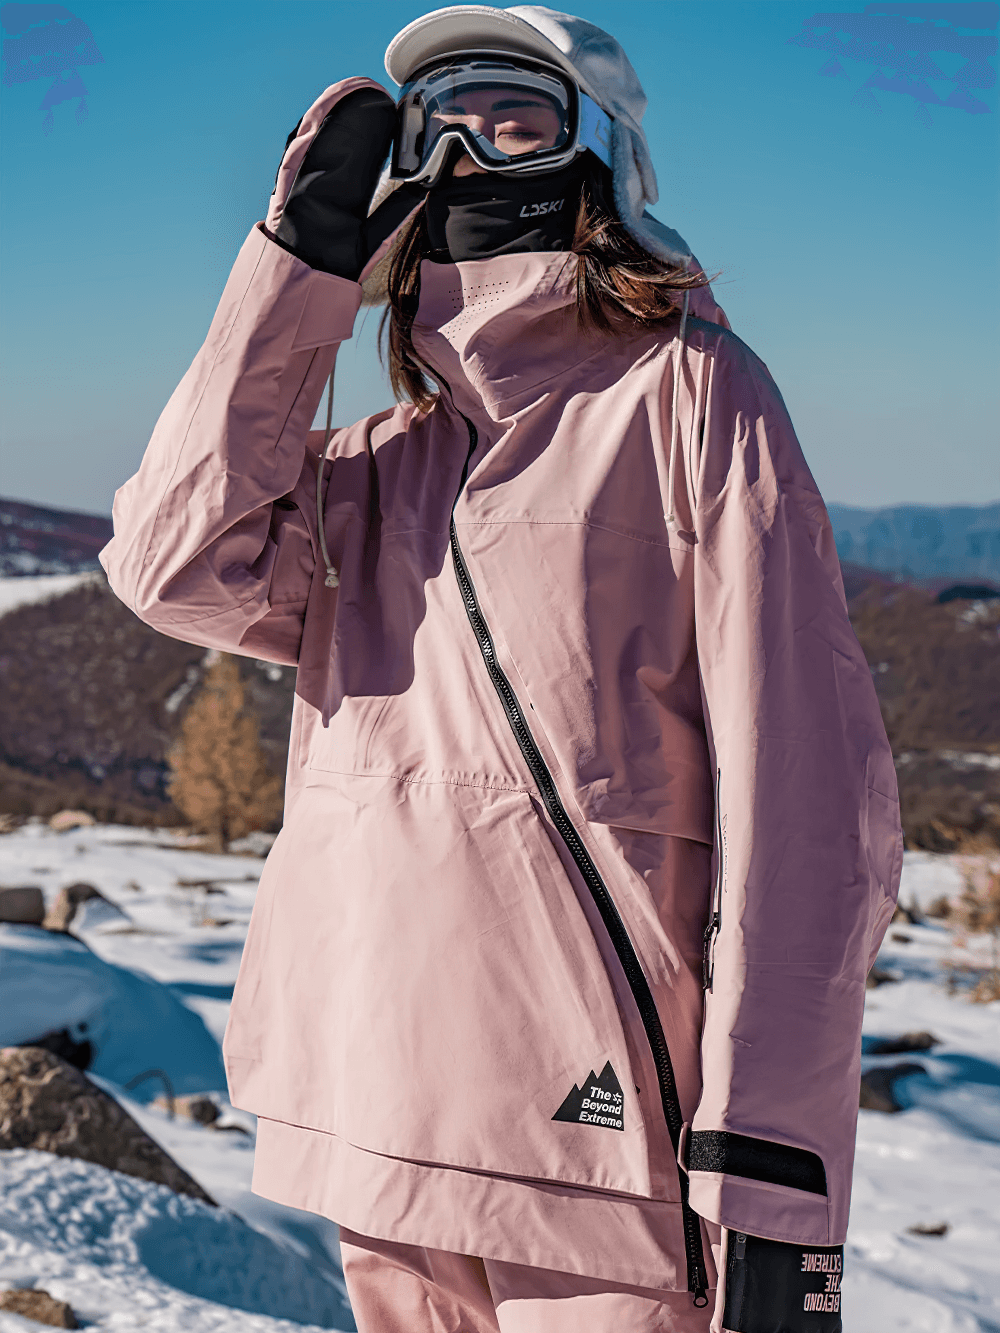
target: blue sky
<point>856,228</point>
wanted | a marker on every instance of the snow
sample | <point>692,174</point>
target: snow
<point>939,1159</point>
<point>51,981</point>
<point>128,1254</point>
<point>16,592</point>
<point>154,985</point>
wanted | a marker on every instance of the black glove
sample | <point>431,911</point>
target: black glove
<point>324,218</point>
<point>774,1287</point>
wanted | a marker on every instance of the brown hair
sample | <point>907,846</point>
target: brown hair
<point>620,287</point>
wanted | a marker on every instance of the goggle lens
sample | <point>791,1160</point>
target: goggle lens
<point>516,112</point>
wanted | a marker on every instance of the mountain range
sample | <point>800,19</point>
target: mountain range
<point>916,542</point>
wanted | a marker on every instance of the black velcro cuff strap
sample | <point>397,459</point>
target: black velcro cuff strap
<point>756,1159</point>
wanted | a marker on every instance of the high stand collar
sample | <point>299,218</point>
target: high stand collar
<point>495,328</point>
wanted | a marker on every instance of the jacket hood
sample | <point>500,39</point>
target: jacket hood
<point>588,55</point>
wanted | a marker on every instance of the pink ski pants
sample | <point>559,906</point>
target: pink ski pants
<point>411,1289</point>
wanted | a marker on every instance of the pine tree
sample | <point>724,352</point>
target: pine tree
<point>220,779</point>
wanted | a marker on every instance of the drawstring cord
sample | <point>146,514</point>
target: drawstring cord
<point>332,577</point>
<point>670,516</point>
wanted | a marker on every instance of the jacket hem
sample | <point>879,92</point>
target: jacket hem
<point>559,1227</point>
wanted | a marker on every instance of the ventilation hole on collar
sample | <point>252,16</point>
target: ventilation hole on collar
<point>469,302</point>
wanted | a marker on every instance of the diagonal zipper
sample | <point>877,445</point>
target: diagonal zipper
<point>623,946</point>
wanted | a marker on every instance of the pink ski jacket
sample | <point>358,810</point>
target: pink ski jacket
<point>591,828</point>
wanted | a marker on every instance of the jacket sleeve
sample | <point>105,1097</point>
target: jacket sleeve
<point>214,536</point>
<point>808,845</point>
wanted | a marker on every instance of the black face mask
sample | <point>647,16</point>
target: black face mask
<point>485,215</point>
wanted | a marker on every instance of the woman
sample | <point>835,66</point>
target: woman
<point>553,990</point>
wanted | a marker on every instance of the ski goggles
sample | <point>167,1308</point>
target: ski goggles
<point>509,117</point>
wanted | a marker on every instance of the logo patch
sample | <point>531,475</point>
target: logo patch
<point>599,1102</point>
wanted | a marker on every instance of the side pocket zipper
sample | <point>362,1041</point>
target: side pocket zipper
<point>715,920</point>
<point>736,1277</point>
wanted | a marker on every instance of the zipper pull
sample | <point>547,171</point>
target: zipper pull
<point>715,920</point>
<point>740,1248</point>
<point>707,969</point>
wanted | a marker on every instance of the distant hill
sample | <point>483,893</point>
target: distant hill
<point>917,542</point>
<point>91,699</point>
<point>34,540</point>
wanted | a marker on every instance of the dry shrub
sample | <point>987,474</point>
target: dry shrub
<point>940,908</point>
<point>978,908</point>
<point>947,810</point>
<point>977,912</point>
<point>220,777</point>
<point>986,989</point>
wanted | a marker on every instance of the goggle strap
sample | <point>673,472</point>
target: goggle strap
<point>595,129</point>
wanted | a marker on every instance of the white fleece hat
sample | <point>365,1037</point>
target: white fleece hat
<point>590,56</point>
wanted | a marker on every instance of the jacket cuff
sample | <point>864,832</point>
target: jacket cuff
<point>760,1209</point>
<point>331,304</point>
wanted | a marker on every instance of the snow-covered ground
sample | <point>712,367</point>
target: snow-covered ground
<point>152,990</point>
<point>16,592</point>
<point>938,1161</point>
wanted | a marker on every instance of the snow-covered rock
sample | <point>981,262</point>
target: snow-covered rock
<point>83,908</point>
<point>130,1255</point>
<point>48,1105</point>
<point>50,982</point>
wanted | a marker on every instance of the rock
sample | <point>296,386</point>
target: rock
<point>911,915</point>
<point>199,1108</point>
<point>900,937</point>
<point>933,1229</point>
<point>33,1303</point>
<point>71,819</point>
<point>257,843</point>
<point>909,1041</point>
<point>79,1054</point>
<point>48,1105</point>
<point>84,907</point>
<point>878,977</point>
<point>202,1110</point>
<point>22,906</point>
<point>60,915</point>
<point>878,1086</point>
